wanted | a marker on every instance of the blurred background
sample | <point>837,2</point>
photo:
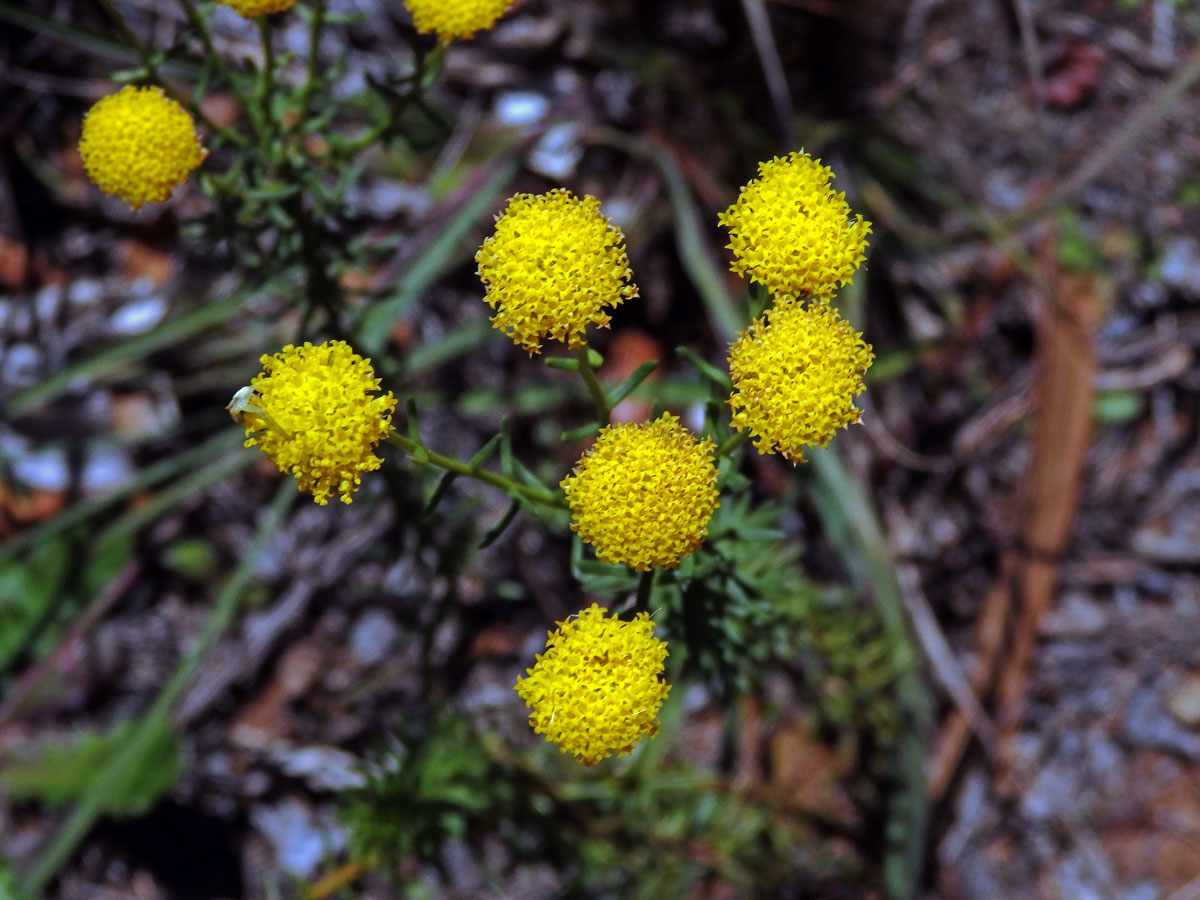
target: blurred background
<point>990,684</point>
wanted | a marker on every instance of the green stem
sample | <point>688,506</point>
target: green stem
<point>267,84</point>
<point>427,67</point>
<point>151,67</point>
<point>645,591</point>
<point>314,45</point>
<point>731,443</point>
<point>603,407</point>
<point>510,487</point>
<point>202,30</point>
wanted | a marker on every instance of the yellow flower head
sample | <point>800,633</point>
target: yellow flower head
<point>456,20</point>
<point>596,690</point>
<point>251,8</point>
<point>314,412</point>
<point>139,144</point>
<point>643,494</point>
<point>790,231</point>
<point>552,267</point>
<point>796,371</point>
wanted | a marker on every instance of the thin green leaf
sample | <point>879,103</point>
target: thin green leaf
<point>147,732</point>
<point>58,773</point>
<point>496,530</point>
<point>580,433</point>
<point>450,346</point>
<point>420,455</point>
<point>630,384</point>
<point>174,331</point>
<point>197,458</point>
<point>707,369</point>
<point>563,363</point>
<point>448,478</point>
<point>444,252</point>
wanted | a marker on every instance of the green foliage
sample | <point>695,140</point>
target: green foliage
<point>852,668</point>
<point>644,827</point>
<point>191,557</point>
<point>435,787</point>
<point>28,590</point>
<point>8,880</point>
<point>1076,249</point>
<point>1117,407</point>
<point>281,181</point>
<point>60,773</point>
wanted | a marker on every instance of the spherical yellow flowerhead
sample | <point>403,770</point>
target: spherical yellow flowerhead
<point>790,231</point>
<point>315,412</point>
<point>552,267</point>
<point>796,371</point>
<point>251,8</point>
<point>139,144</point>
<point>456,20</point>
<point>642,494</point>
<point>596,690</point>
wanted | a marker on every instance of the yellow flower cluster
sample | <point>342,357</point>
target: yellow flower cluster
<point>789,230</point>
<point>455,20</point>
<point>552,267</point>
<point>315,413</point>
<point>596,690</point>
<point>642,495</point>
<point>139,144</point>
<point>796,371</point>
<point>252,8</point>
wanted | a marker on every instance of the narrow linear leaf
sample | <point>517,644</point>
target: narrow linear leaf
<point>706,369</point>
<point>439,493</point>
<point>175,331</point>
<point>442,254</point>
<point>454,344</point>
<point>420,455</point>
<point>496,530</point>
<point>580,433</point>
<point>563,363</point>
<point>194,459</point>
<point>447,479</point>
<point>630,384</point>
<point>147,731</point>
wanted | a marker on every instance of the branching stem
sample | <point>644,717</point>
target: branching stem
<point>508,485</point>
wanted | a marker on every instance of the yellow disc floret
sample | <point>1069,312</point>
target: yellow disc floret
<point>643,494</point>
<point>553,266</point>
<point>315,413</point>
<point>596,690</point>
<point>139,144</point>
<point>455,20</point>
<point>252,8</point>
<point>796,371</point>
<point>789,229</point>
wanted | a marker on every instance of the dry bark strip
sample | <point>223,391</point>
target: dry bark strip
<point>1028,575</point>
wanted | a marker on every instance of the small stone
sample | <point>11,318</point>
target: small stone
<point>1183,701</point>
<point>43,470</point>
<point>138,316</point>
<point>519,108</point>
<point>558,151</point>
<point>373,636</point>
<point>1076,615</point>
<point>299,839</point>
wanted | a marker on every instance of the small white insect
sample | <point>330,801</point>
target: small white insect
<point>244,410</point>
